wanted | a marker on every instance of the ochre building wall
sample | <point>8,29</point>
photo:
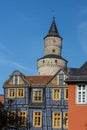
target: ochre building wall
<point>77,113</point>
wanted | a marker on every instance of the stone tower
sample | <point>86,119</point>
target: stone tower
<point>52,60</point>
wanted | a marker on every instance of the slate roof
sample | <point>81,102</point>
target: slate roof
<point>38,80</point>
<point>77,74</point>
<point>53,31</point>
<point>52,56</point>
<point>1,98</point>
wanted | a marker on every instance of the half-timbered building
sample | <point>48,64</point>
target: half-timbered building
<point>40,102</point>
<point>37,102</point>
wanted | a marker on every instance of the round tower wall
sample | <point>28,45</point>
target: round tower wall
<point>52,45</point>
<point>50,66</point>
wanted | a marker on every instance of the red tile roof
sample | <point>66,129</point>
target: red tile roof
<point>1,98</point>
<point>38,80</point>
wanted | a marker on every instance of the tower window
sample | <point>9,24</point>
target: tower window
<point>55,61</point>
<point>53,50</point>
<point>43,61</point>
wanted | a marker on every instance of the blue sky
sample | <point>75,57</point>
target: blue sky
<point>23,25</point>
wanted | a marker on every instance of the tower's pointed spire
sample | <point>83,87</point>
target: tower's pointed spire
<point>53,31</point>
<point>53,28</point>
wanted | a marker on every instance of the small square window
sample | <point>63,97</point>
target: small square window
<point>53,50</point>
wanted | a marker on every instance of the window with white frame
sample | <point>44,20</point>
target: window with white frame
<point>81,94</point>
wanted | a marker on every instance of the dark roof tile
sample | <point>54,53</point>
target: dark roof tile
<point>52,56</point>
<point>77,74</point>
<point>53,31</point>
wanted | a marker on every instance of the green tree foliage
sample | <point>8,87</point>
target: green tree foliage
<point>14,120</point>
<point>3,116</point>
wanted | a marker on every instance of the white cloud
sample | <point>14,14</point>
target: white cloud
<point>18,66</point>
<point>5,54</point>
<point>15,65</point>
<point>83,12</point>
<point>4,50</point>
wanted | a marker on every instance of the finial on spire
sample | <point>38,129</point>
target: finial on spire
<point>53,13</point>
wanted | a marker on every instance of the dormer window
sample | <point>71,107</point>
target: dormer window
<point>61,79</point>
<point>15,79</point>
<point>37,95</point>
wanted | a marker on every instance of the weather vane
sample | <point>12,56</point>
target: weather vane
<point>53,14</point>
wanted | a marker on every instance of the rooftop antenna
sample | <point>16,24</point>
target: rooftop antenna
<point>53,14</point>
